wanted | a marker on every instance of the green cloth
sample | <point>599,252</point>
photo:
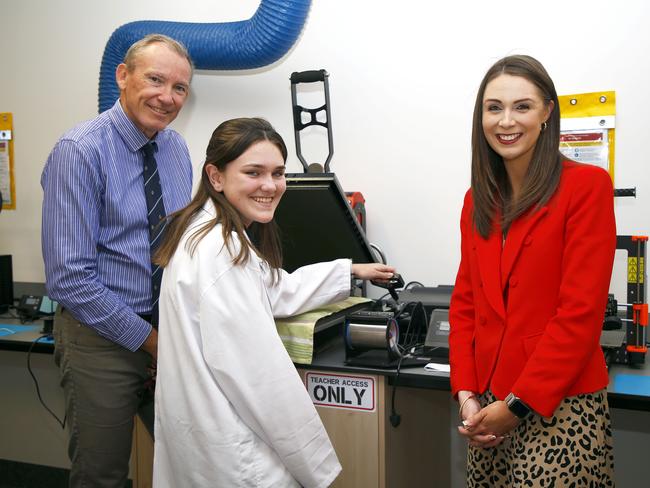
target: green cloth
<point>297,332</point>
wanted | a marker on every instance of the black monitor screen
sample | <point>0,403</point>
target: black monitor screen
<point>317,224</point>
<point>6,283</point>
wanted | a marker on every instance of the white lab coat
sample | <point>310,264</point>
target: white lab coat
<point>231,410</point>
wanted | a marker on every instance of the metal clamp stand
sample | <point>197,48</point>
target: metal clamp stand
<point>355,200</point>
<point>298,110</point>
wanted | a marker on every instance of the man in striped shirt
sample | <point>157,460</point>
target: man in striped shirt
<point>96,249</point>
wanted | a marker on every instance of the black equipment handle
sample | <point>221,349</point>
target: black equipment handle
<point>625,192</point>
<point>308,76</point>
<point>396,282</point>
<point>298,125</point>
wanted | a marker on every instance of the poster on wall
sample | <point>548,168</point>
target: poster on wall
<point>7,186</point>
<point>587,128</point>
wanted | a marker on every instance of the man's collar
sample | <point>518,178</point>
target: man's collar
<point>131,135</point>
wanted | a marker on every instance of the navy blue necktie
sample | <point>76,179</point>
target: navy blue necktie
<point>156,217</point>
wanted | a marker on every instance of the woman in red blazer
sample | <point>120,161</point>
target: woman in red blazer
<point>538,243</point>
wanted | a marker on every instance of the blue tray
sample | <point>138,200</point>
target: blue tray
<point>10,329</point>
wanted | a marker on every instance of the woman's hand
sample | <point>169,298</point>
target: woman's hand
<point>373,271</point>
<point>469,404</point>
<point>469,407</point>
<point>489,426</point>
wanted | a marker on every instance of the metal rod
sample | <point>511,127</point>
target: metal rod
<point>640,336</point>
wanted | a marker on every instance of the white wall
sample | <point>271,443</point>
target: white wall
<point>403,77</point>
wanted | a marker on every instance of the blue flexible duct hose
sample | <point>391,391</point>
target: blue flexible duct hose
<point>247,44</point>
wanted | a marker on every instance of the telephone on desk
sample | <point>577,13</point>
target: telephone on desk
<point>31,307</point>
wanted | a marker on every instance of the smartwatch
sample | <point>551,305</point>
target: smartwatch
<point>516,406</point>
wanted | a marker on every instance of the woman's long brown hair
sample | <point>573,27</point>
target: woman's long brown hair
<point>229,141</point>
<point>491,190</point>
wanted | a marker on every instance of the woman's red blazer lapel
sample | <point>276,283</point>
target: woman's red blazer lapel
<point>496,260</point>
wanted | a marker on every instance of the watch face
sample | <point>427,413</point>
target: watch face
<point>517,407</point>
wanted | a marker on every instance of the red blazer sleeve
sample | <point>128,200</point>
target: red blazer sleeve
<point>461,313</point>
<point>569,349</point>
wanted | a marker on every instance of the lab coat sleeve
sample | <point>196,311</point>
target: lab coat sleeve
<point>462,314</point>
<point>309,287</point>
<point>251,366</point>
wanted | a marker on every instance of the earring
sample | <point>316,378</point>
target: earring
<point>544,126</point>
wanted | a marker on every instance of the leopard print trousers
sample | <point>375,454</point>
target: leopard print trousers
<point>573,448</point>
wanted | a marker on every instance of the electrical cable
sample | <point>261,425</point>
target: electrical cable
<point>395,418</point>
<point>379,304</point>
<point>378,250</point>
<point>38,390</point>
<point>413,284</point>
<point>411,338</point>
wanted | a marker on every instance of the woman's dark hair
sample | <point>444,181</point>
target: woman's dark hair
<point>491,190</point>
<point>229,141</point>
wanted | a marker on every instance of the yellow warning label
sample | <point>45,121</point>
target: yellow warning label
<point>641,270</point>
<point>635,270</point>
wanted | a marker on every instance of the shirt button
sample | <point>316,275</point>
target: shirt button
<point>528,241</point>
<point>482,320</point>
<point>513,281</point>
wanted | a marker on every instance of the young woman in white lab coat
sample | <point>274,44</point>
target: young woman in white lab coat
<point>231,410</point>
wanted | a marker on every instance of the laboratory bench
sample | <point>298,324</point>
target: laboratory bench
<point>629,385</point>
<point>31,438</point>
<point>423,449</point>
<point>17,336</point>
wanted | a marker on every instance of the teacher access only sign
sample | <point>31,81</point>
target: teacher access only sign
<point>341,391</point>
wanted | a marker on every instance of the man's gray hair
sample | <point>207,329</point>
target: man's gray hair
<point>138,46</point>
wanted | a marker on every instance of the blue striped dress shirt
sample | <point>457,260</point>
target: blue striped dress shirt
<point>95,235</point>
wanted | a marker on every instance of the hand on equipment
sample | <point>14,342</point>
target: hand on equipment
<point>373,271</point>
